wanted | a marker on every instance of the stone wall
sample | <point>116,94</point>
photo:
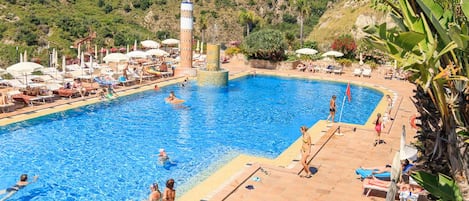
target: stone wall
<point>212,78</point>
<point>266,64</point>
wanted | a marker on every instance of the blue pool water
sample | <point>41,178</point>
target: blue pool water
<point>107,151</point>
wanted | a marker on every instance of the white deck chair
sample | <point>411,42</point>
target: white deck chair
<point>328,68</point>
<point>357,72</point>
<point>338,70</point>
<point>366,72</point>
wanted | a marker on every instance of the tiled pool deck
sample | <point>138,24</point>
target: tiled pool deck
<point>334,157</point>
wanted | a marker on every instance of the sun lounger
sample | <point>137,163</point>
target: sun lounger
<point>329,69</point>
<point>6,107</point>
<point>103,82</point>
<point>26,99</point>
<point>338,70</point>
<point>357,72</point>
<point>125,82</point>
<point>366,72</point>
<point>388,75</point>
<point>316,69</point>
<point>366,173</point>
<point>370,184</point>
<point>301,67</point>
<point>5,103</point>
<point>69,93</point>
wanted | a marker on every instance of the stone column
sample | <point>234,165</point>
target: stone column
<point>212,75</point>
<point>213,57</point>
<point>185,48</point>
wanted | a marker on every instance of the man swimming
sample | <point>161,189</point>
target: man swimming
<point>19,185</point>
<point>163,157</point>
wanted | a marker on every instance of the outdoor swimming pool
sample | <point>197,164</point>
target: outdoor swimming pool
<point>107,151</point>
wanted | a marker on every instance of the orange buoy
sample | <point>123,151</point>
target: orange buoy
<point>412,122</point>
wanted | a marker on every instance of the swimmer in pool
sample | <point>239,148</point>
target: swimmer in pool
<point>23,182</point>
<point>163,156</point>
<point>173,99</point>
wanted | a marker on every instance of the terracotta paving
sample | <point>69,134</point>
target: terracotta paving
<point>335,157</point>
<point>336,161</point>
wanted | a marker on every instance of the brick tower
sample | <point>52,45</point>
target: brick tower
<point>185,65</point>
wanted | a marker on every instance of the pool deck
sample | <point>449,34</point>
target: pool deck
<point>334,157</point>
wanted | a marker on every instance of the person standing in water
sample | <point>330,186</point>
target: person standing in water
<point>332,109</point>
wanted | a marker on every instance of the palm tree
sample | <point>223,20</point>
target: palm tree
<point>203,21</point>
<point>249,18</point>
<point>431,42</point>
<point>303,7</point>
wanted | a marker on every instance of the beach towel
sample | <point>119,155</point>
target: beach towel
<point>366,173</point>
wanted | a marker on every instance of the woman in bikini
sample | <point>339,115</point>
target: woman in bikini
<point>378,126</point>
<point>169,192</point>
<point>305,150</point>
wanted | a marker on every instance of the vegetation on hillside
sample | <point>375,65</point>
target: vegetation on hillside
<point>37,26</point>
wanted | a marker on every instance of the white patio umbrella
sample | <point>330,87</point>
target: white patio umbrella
<point>406,151</point>
<point>361,60</point>
<point>82,63</point>
<point>333,53</point>
<point>116,57</point>
<point>25,56</point>
<point>24,67</point>
<point>150,44</point>
<point>307,51</point>
<point>170,41</point>
<point>157,52</point>
<point>137,54</point>
<point>396,171</point>
<point>201,47</point>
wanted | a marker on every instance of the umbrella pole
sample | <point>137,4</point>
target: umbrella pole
<point>340,117</point>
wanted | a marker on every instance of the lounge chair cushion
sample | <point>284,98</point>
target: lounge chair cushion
<point>366,173</point>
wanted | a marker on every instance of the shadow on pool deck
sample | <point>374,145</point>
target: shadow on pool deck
<point>336,162</point>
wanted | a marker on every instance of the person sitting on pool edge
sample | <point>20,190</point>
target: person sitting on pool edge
<point>155,194</point>
<point>19,185</point>
<point>169,192</point>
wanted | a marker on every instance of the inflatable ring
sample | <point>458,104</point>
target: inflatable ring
<point>412,122</point>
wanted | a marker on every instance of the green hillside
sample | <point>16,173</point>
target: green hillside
<point>37,26</point>
<point>345,17</point>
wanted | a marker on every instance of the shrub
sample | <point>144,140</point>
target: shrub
<point>267,44</point>
<point>345,62</point>
<point>231,51</point>
<point>287,18</point>
<point>372,64</point>
<point>345,44</point>
<point>7,76</point>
